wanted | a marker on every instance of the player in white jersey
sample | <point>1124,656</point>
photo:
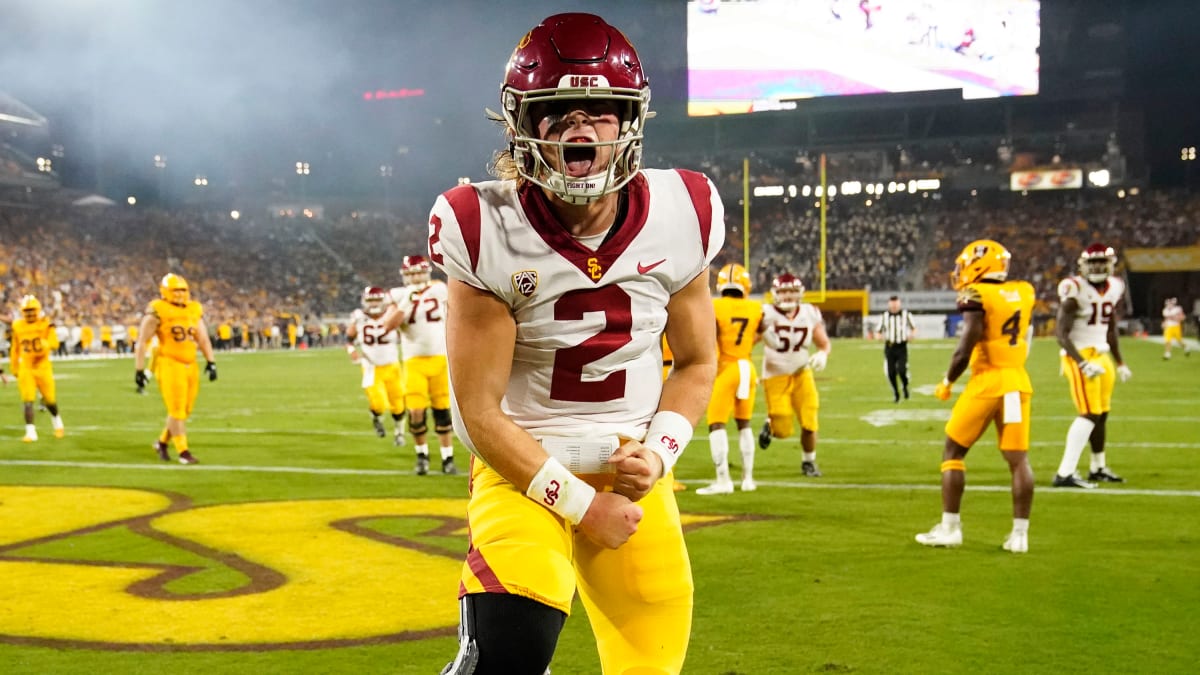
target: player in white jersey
<point>563,276</point>
<point>790,325</point>
<point>373,346</point>
<point>1089,307</point>
<point>419,314</point>
<point>1172,325</point>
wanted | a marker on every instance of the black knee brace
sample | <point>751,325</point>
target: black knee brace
<point>441,420</point>
<point>501,634</point>
<point>418,426</point>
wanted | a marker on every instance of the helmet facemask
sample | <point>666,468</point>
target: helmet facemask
<point>535,157</point>
<point>788,292</point>
<point>1097,268</point>
<point>174,289</point>
<point>31,308</point>
<point>374,301</point>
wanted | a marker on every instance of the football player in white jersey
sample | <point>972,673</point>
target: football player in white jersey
<point>563,275</point>
<point>373,346</point>
<point>418,312</point>
<point>790,325</point>
<point>1089,307</point>
<point>1172,325</point>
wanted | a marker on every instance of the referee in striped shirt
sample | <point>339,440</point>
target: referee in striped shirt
<point>896,326</point>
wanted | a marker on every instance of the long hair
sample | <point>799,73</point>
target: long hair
<point>503,165</point>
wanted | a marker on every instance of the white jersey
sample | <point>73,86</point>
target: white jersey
<point>1096,309</point>
<point>795,330</point>
<point>378,346</point>
<point>423,329</point>
<point>588,355</point>
<point>1172,316</point>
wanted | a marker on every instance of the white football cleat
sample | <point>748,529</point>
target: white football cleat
<point>1017,542</point>
<point>720,487</point>
<point>941,535</point>
<point>748,485</point>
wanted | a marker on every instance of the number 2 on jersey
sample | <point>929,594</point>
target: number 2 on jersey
<point>567,383</point>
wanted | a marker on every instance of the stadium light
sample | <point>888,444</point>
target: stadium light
<point>302,169</point>
<point>768,191</point>
<point>235,214</point>
<point>386,170</point>
<point>1099,178</point>
<point>160,161</point>
<point>1188,153</point>
<point>131,200</point>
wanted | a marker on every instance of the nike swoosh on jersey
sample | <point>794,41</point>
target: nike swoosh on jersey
<point>642,269</point>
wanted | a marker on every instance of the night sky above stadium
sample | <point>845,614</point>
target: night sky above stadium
<point>258,84</point>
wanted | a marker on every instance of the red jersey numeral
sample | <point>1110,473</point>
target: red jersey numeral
<point>567,383</point>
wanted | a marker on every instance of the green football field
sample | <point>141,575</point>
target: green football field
<point>304,544</point>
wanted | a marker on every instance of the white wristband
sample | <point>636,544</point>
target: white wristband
<point>350,349</point>
<point>668,435</point>
<point>561,491</point>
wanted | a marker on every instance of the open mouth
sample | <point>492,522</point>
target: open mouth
<point>578,162</point>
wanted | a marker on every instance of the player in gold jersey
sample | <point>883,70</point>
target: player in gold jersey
<point>33,339</point>
<point>995,344</point>
<point>178,323</point>
<point>739,322</point>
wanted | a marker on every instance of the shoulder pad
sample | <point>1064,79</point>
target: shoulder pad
<point>970,298</point>
<point>1068,288</point>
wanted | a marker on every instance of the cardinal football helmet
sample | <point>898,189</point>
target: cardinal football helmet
<point>981,259</point>
<point>1097,263</point>
<point>415,270</point>
<point>174,289</point>
<point>31,309</point>
<point>374,300</point>
<point>574,57</point>
<point>788,291</point>
<point>733,277</point>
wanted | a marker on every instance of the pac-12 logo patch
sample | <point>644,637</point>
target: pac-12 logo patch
<point>525,282</point>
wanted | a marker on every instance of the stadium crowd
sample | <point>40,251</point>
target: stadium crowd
<point>97,268</point>
<point>259,274</point>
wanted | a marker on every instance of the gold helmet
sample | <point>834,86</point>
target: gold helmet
<point>31,309</point>
<point>174,289</point>
<point>733,277</point>
<point>981,259</point>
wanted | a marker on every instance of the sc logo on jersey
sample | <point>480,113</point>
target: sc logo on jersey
<point>525,282</point>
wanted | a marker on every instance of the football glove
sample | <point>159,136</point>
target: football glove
<point>817,362</point>
<point>1091,369</point>
<point>140,379</point>
<point>211,369</point>
<point>1124,373</point>
<point>942,391</point>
